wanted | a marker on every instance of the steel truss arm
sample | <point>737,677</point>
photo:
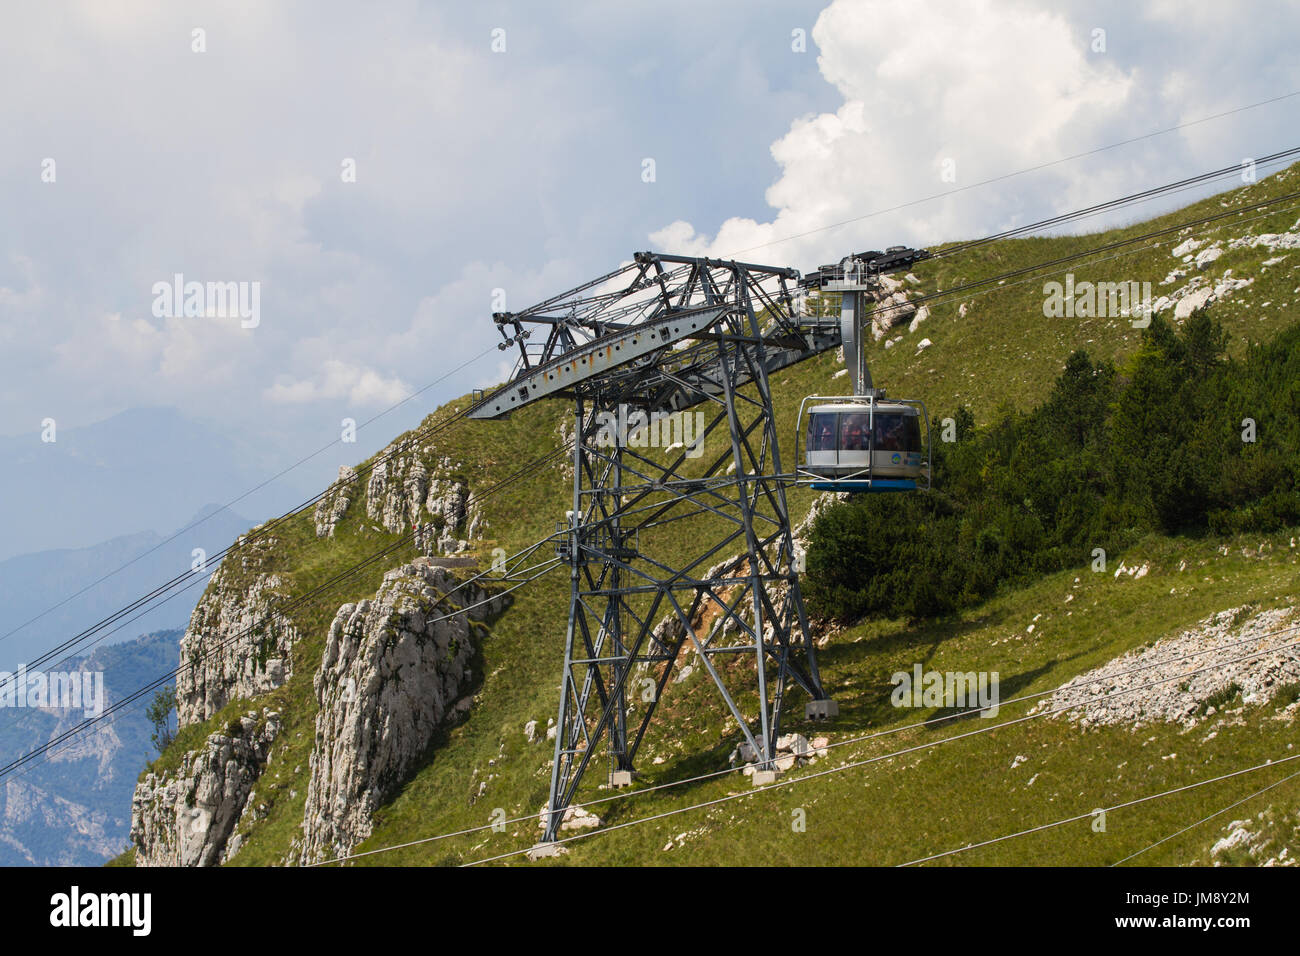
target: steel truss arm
<point>636,602</point>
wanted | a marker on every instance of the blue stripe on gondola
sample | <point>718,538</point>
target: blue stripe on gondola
<point>877,484</point>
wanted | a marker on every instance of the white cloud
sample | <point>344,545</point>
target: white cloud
<point>505,368</point>
<point>522,171</point>
<point>990,87</point>
<point>362,387</point>
<point>994,88</point>
<point>197,356</point>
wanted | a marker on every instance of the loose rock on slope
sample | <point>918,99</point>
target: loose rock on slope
<point>1190,668</point>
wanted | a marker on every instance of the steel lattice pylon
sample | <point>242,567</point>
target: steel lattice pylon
<point>662,335</point>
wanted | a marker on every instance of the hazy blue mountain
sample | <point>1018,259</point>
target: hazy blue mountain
<point>33,583</point>
<point>75,807</point>
<point>146,468</point>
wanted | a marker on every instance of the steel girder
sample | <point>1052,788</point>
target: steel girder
<point>663,334</point>
<point>640,334</point>
<point>734,600</point>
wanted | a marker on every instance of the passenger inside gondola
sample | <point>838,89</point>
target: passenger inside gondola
<point>853,432</point>
<point>821,433</point>
<point>889,432</point>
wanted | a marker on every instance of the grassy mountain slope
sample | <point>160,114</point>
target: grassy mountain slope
<point>1002,351</point>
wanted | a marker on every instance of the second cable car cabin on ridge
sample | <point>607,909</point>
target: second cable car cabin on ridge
<point>864,442</point>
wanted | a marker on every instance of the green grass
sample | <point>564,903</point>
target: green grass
<point>1003,352</point>
<point>934,799</point>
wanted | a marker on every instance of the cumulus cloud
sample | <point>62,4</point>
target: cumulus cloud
<point>937,96</point>
<point>363,387</point>
<point>473,171</point>
<point>522,171</point>
<point>190,355</point>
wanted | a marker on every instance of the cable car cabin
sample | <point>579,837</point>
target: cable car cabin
<point>864,443</point>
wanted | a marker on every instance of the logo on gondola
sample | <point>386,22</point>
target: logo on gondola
<point>895,458</point>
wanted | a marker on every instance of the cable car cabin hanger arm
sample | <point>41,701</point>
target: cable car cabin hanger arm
<point>863,441</point>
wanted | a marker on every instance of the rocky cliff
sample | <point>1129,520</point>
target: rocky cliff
<point>407,488</point>
<point>395,670</point>
<point>237,644</point>
<point>186,818</point>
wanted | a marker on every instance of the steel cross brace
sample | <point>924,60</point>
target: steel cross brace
<point>632,609</point>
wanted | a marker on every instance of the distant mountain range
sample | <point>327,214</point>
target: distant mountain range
<point>32,584</point>
<point>134,483</point>
<point>74,808</point>
<point>146,468</point>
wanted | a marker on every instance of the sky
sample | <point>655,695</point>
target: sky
<point>372,175</point>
